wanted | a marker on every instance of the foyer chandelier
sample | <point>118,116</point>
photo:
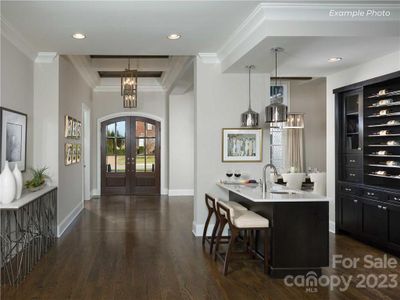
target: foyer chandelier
<point>129,87</point>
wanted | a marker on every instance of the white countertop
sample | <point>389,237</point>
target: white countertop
<point>26,198</point>
<point>254,193</point>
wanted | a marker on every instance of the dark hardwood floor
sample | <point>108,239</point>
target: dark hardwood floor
<point>143,248</point>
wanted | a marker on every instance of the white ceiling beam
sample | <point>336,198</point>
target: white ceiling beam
<point>309,19</point>
<point>118,64</point>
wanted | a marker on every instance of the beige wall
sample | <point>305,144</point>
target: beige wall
<point>219,101</point>
<point>150,104</point>
<point>181,144</point>
<point>17,87</point>
<point>73,91</point>
<point>309,97</point>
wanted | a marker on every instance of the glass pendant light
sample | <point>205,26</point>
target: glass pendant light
<point>276,112</point>
<point>294,120</point>
<point>250,117</point>
<point>129,87</point>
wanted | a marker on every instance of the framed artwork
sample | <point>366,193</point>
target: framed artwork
<point>74,154</point>
<point>242,145</point>
<point>78,153</point>
<point>72,128</point>
<point>281,89</point>
<point>68,154</point>
<point>13,132</point>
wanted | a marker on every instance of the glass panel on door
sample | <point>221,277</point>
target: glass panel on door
<point>116,148</point>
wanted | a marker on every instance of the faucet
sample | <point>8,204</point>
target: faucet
<point>264,183</point>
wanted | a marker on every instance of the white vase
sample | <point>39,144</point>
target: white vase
<point>18,181</point>
<point>8,185</point>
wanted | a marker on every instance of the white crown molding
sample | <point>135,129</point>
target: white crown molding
<point>17,39</point>
<point>177,65</point>
<point>289,19</point>
<point>45,57</point>
<point>242,33</point>
<point>209,58</point>
<point>117,89</point>
<point>83,66</point>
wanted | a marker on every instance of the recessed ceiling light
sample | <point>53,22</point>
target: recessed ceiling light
<point>79,36</point>
<point>335,59</point>
<point>174,36</point>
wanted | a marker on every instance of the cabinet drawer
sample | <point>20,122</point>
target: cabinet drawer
<point>348,189</point>
<point>353,175</point>
<point>353,161</point>
<point>375,195</point>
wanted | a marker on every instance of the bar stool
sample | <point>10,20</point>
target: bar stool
<point>240,221</point>
<point>211,203</point>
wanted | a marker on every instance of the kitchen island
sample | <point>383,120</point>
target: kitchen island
<point>299,221</point>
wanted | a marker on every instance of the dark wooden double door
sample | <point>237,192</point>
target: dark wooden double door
<point>130,156</point>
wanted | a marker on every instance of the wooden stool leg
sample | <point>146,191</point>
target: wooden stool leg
<point>214,232</point>
<point>234,235</point>
<point>219,235</point>
<point>252,243</point>
<point>206,226</point>
<point>266,250</point>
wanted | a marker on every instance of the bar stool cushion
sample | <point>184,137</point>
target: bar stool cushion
<point>249,219</point>
<point>232,206</point>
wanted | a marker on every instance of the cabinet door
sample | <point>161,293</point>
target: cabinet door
<point>394,224</point>
<point>352,121</point>
<point>351,213</point>
<point>375,220</point>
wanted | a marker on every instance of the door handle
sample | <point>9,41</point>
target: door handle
<point>384,207</point>
<point>379,206</point>
<point>355,201</point>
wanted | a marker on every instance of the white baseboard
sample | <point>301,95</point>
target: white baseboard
<point>332,226</point>
<point>164,191</point>
<point>197,229</point>
<point>95,193</point>
<point>69,219</point>
<point>180,192</point>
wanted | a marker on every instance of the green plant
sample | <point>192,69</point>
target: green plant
<point>39,178</point>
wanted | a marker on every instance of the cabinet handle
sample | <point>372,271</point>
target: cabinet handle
<point>349,190</point>
<point>370,194</point>
<point>379,206</point>
<point>355,201</point>
<point>352,161</point>
<point>384,207</point>
<point>353,175</point>
<point>395,198</point>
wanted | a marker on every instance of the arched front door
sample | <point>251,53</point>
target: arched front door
<point>130,156</point>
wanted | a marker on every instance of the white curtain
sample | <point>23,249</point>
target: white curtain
<point>295,149</point>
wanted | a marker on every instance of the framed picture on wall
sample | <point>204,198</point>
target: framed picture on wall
<point>13,133</point>
<point>73,128</point>
<point>242,145</point>
<point>68,154</point>
<point>73,153</point>
<point>78,153</point>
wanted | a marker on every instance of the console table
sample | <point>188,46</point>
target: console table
<point>27,231</point>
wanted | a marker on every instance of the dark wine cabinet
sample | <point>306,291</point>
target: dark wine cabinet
<point>368,161</point>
